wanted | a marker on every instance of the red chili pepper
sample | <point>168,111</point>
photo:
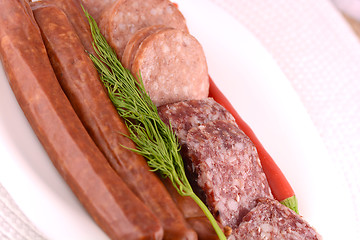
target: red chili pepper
<point>280,187</point>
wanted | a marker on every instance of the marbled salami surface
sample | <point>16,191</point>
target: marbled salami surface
<point>192,113</point>
<point>228,170</point>
<point>272,220</point>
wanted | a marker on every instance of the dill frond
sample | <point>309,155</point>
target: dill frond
<point>153,138</point>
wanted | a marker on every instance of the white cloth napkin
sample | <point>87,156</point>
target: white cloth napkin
<point>13,223</point>
<point>320,56</point>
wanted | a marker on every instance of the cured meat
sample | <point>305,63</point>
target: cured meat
<point>173,67</point>
<point>101,191</point>
<point>203,228</point>
<point>81,83</point>
<point>134,43</point>
<point>76,16</point>
<point>192,113</point>
<point>193,214</point>
<point>185,117</point>
<point>123,18</point>
<point>96,7</point>
<point>272,220</point>
<point>227,169</point>
<point>186,205</point>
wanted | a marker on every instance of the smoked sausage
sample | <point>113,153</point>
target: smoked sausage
<point>101,191</point>
<point>77,18</point>
<point>193,214</point>
<point>80,81</point>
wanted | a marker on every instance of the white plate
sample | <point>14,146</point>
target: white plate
<point>252,81</point>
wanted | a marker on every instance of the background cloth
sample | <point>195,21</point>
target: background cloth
<point>320,55</point>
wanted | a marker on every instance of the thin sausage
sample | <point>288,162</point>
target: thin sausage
<point>101,191</point>
<point>81,83</point>
<point>203,228</point>
<point>193,214</point>
<point>77,18</point>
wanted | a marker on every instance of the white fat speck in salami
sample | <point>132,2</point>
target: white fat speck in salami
<point>122,19</point>
<point>272,220</point>
<point>226,164</point>
<point>172,75</point>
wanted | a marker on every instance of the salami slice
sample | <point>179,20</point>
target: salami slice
<point>123,18</point>
<point>192,113</point>
<point>272,220</point>
<point>96,7</point>
<point>134,43</point>
<point>228,170</point>
<point>173,67</point>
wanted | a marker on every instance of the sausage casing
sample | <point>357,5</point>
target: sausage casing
<point>105,196</point>
<point>81,83</point>
<point>76,16</point>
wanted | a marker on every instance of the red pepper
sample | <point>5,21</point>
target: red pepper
<point>280,187</point>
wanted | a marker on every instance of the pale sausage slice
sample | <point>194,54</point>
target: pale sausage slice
<point>173,67</point>
<point>134,43</point>
<point>96,7</point>
<point>122,19</point>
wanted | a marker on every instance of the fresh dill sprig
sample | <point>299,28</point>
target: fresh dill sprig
<point>153,138</point>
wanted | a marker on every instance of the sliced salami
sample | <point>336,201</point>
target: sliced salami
<point>96,7</point>
<point>192,113</point>
<point>134,43</point>
<point>123,18</point>
<point>228,170</point>
<point>272,220</point>
<point>173,67</point>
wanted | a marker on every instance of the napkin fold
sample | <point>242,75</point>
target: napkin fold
<point>14,224</point>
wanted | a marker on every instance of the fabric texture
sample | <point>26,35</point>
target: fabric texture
<point>14,224</point>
